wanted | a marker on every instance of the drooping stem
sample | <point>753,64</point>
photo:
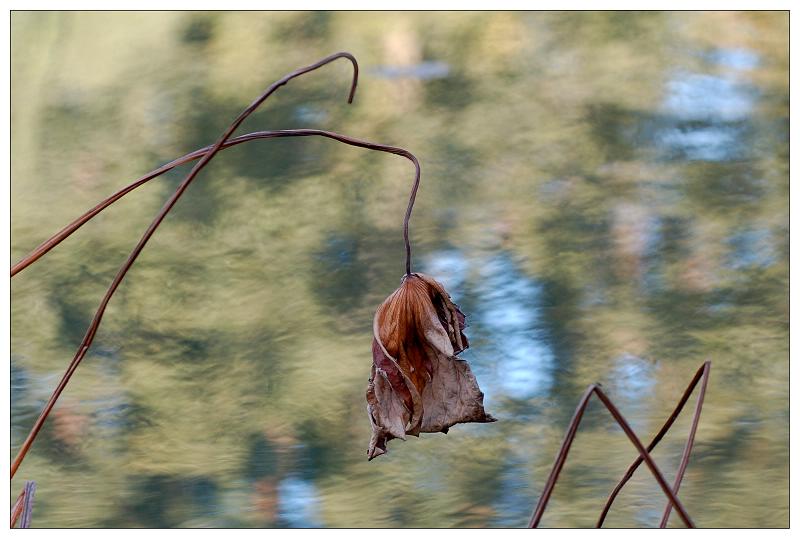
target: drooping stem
<point>93,326</point>
<point>371,146</point>
<point>65,232</point>
<point>68,230</point>
<point>204,155</point>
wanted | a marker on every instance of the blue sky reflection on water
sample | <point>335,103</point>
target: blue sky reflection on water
<point>298,503</point>
<point>711,109</point>
<point>505,325</point>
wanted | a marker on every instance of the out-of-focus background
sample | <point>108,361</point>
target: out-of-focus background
<point>604,194</point>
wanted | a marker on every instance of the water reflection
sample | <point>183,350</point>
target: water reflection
<point>711,109</point>
<point>695,96</point>
<point>751,249</point>
<point>604,194</point>
<point>739,59</point>
<point>298,504</point>
<point>510,328</point>
<point>422,71</point>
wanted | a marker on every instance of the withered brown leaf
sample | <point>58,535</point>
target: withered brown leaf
<point>418,384</point>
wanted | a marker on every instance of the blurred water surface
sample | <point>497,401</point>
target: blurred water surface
<point>604,194</point>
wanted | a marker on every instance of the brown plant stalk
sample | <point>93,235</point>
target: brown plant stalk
<point>16,509</point>
<point>50,243</point>
<point>57,238</point>
<point>702,373</point>
<point>205,157</point>
<point>644,453</point>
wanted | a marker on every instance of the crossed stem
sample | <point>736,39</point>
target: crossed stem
<point>204,155</point>
<point>702,373</point>
<point>644,453</point>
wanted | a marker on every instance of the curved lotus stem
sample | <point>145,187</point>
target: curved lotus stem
<point>68,230</point>
<point>65,232</point>
<point>252,136</point>
<point>92,330</point>
<point>194,155</point>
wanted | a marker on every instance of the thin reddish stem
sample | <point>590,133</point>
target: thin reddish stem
<point>644,453</point>
<point>702,372</point>
<point>561,458</point>
<point>95,324</point>
<point>194,155</point>
<point>16,509</point>
<point>646,456</point>
<point>68,230</point>
<point>65,232</point>
<point>687,450</point>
